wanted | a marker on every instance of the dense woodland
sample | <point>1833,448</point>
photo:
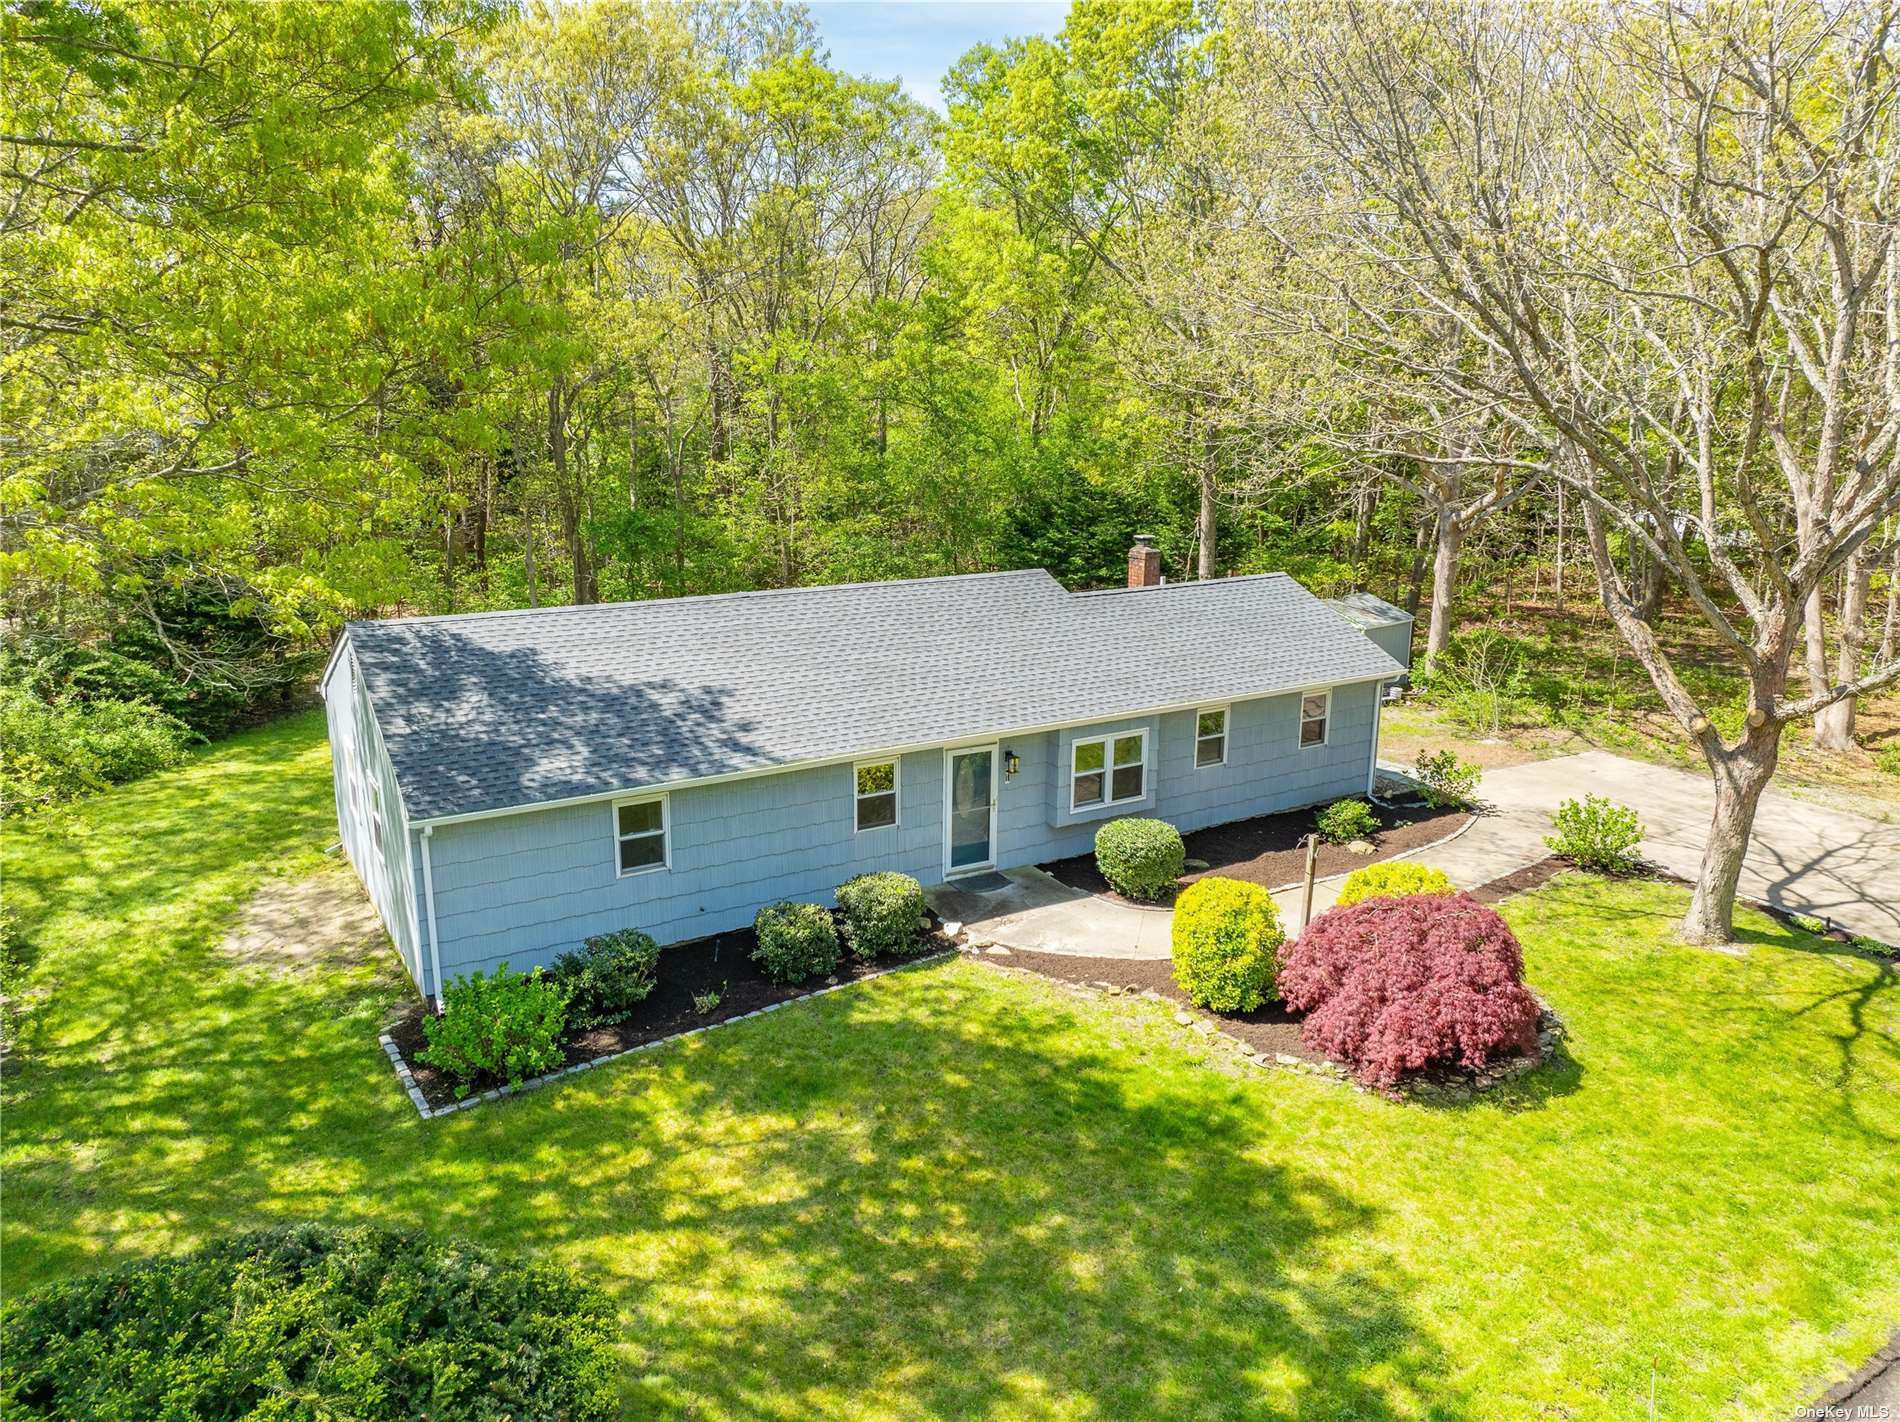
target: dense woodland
<point>320,311</point>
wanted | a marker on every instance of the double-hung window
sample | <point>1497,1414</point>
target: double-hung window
<point>1315,709</point>
<point>876,794</point>
<point>375,813</point>
<point>1210,737</point>
<point>640,832</point>
<point>1109,770</point>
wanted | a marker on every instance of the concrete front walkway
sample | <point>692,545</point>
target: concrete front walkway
<point>1802,857</point>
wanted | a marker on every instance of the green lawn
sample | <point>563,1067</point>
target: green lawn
<point>954,1194</point>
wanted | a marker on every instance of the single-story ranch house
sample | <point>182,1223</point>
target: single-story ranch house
<point>510,783</point>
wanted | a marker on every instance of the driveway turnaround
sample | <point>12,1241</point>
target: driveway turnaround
<point>1834,865</point>
<point>1805,858</point>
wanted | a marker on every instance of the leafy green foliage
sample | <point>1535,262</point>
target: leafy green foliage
<point>1598,833</point>
<point>506,1026</point>
<point>883,914</point>
<point>1396,878</point>
<point>1393,881</point>
<point>1140,858</point>
<point>52,751</point>
<point>1446,781</point>
<point>607,976</point>
<point>355,1322</point>
<point>1227,939</point>
<point>1346,820</point>
<point>796,941</point>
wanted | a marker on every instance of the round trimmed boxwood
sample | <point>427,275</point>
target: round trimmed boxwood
<point>796,941</point>
<point>305,1321</point>
<point>608,976</point>
<point>1227,939</point>
<point>1141,859</point>
<point>883,914</point>
<point>1396,879</point>
<point>1343,821</point>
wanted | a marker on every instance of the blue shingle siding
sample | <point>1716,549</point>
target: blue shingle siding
<point>357,757</point>
<point>1395,640</point>
<point>525,887</point>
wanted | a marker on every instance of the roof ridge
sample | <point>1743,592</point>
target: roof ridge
<point>1188,583</point>
<point>700,597</point>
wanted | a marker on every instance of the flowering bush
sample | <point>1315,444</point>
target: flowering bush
<point>1392,880</point>
<point>1394,984</point>
<point>1227,937</point>
<point>1140,858</point>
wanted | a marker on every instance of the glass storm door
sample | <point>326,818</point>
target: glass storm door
<point>972,805</point>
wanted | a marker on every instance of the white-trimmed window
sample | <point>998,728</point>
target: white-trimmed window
<point>1108,770</point>
<point>876,789</point>
<point>640,834</point>
<point>1210,737</point>
<point>1316,709</point>
<point>375,811</point>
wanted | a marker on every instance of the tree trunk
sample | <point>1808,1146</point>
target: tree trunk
<point>567,496</point>
<point>527,555</point>
<point>1560,550</point>
<point>1365,502</point>
<point>1415,586</point>
<point>1450,535</point>
<point>1834,725</point>
<point>1890,632</point>
<point>1209,490</point>
<point>1651,583</point>
<point>1740,775</point>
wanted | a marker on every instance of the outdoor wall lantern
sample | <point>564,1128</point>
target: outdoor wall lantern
<point>1011,762</point>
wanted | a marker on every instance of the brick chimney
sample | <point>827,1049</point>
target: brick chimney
<point>1144,562</point>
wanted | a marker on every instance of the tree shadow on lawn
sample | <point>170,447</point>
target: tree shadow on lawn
<point>960,1214</point>
<point>1732,991</point>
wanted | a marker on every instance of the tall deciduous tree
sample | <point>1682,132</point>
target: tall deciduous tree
<point>1672,231</point>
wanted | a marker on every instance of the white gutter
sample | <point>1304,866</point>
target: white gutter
<point>428,895</point>
<point>882,752</point>
<point>336,655</point>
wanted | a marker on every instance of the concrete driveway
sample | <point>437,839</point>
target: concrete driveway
<point>1829,863</point>
<point>1803,857</point>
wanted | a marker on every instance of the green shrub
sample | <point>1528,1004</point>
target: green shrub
<point>1889,761</point>
<point>54,750</point>
<point>507,1026</point>
<point>607,976</point>
<point>1598,833</point>
<point>1396,879</point>
<point>1141,859</point>
<point>883,914</point>
<point>1446,781</point>
<point>1227,939</point>
<point>1343,821</point>
<point>796,941</point>
<point>305,1322</point>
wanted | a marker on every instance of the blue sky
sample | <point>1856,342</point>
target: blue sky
<point>917,42</point>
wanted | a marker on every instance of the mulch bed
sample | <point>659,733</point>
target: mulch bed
<point>722,963</point>
<point>1266,850</point>
<point>1271,1031</point>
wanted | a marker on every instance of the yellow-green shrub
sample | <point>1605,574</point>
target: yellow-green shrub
<point>1394,880</point>
<point>1227,939</point>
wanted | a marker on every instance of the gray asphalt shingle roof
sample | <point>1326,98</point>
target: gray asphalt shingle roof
<point>498,710</point>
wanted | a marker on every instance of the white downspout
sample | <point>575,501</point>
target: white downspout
<point>1372,771</point>
<point>428,898</point>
